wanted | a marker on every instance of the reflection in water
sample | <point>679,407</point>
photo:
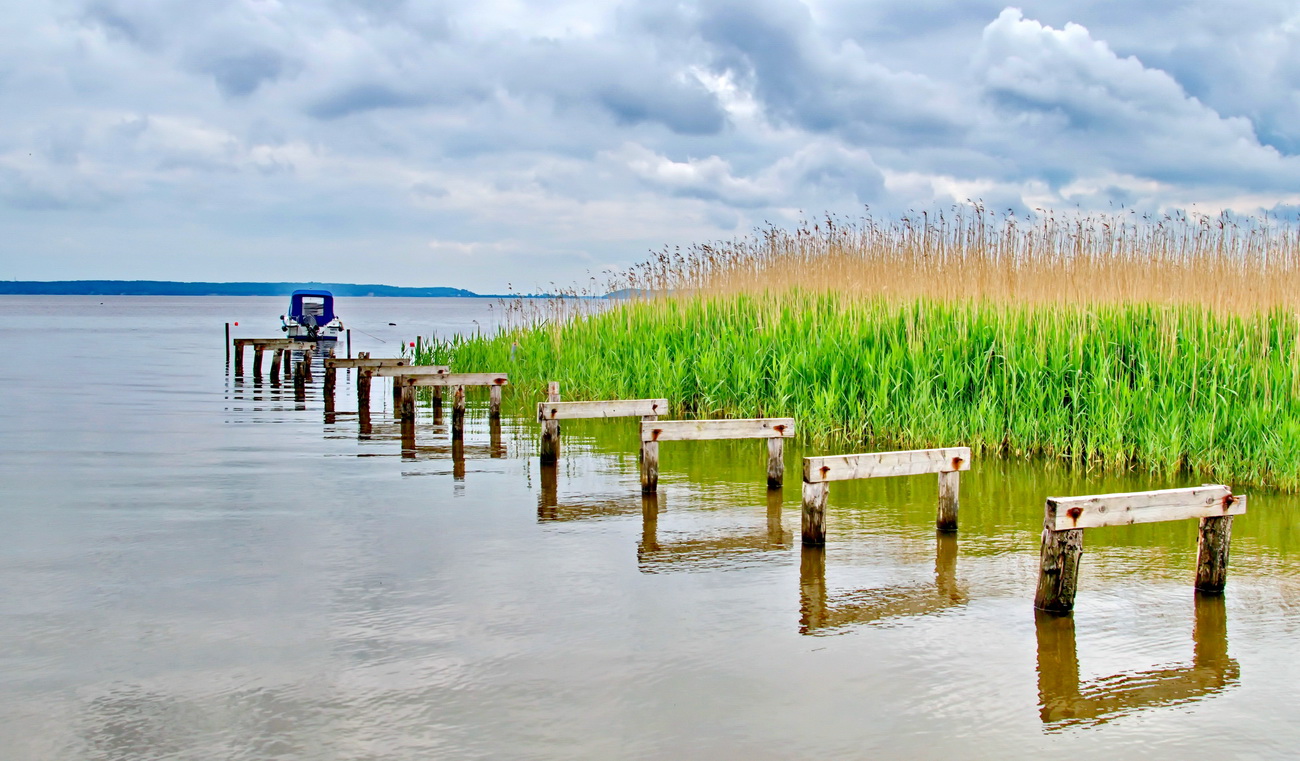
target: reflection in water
<point>496,447</point>
<point>653,556</point>
<point>818,614</point>
<point>550,510</point>
<point>1065,702</point>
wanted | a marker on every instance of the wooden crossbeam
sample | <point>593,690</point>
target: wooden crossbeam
<point>450,379</point>
<point>367,362</point>
<point>912,462</point>
<point>616,408</point>
<point>408,371</point>
<point>703,430</point>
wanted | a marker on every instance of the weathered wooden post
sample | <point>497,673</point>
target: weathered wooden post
<point>494,403</point>
<point>239,358</point>
<point>949,483</point>
<point>814,513</point>
<point>550,448</point>
<point>1212,554</point>
<point>775,463</point>
<point>331,380</point>
<point>275,365</point>
<point>363,391</point>
<point>349,334</point>
<point>300,383</point>
<point>405,398</point>
<point>649,466</point>
<point>397,396</point>
<point>458,413</point>
<point>257,360</point>
<point>307,357</point>
<point>1065,518</point>
<point>227,345</point>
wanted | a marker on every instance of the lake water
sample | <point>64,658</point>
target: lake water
<point>198,567</point>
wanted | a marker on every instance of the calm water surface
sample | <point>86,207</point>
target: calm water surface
<point>195,567</point>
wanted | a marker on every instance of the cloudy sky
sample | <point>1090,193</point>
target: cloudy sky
<point>492,142</point>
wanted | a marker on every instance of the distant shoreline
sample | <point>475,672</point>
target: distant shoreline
<point>178,288</point>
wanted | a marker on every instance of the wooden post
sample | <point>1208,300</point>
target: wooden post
<point>814,513</point>
<point>227,345</point>
<point>649,467</point>
<point>239,358</point>
<point>437,397</point>
<point>363,391</point>
<point>949,481</point>
<point>775,463</point>
<point>458,413</point>
<point>307,357</point>
<point>331,380</point>
<point>405,400</point>
<point>1212,554</point>
<point>286,363</point>
<point>349,334</point>
<point>257,360</point>
<point>275,365</point>
<point>494,402</point>
<point>1058,571</point>
<point>550,450</point>
<point>300,383</point>
<point>397,396</point>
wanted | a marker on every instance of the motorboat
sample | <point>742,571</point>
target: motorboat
<point>311,317</point>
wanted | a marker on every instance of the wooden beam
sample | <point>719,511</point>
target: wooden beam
<point>880,464</point>
<point>403,371</point>
<point>702,430</point>
<point>456,379</point>
<point>558,410</point>
<point>368,362</point>
<point>1209,501</point>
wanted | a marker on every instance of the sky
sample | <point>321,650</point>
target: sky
<point>499,144</point>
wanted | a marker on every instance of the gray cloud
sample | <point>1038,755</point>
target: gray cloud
<point>567,135</point>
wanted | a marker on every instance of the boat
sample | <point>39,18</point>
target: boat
<point>311,317</point>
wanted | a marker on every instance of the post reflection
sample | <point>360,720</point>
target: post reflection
<point>551,510</point>
<point>655,556</point>
<point>458,459</point>
<point>495,446</point>
<point>819,613</point>
<point>1064,701</point>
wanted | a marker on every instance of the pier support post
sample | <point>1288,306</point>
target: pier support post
<point>1058,570</point>
<point>227,346</point>
<point>814,513</point>
<point>307,357</point>
<point>494,403</point>
<point>1212,554</point>
<point>257,360</point>
<point>331,381</point>
<point>458,413</point>
<point>649,467</point>
<point>775,463</point>
<point>397,396</point>
<point>405,400</point>
<point>949,481</point>
<point>239,358</point>
<point>275,365</point>
<point>550,450</point>
<point>300,382</point>
<point>363,392</point>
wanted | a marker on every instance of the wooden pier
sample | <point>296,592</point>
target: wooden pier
<point>279,347</point>
<point>775,430</point>
<point>1067,517</point>
<point>818,472</point>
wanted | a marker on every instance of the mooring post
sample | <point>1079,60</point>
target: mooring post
<point>814,513</point>
<point>405,399</point>
<point>1058,571</point>
<point>775,463</point>
<point>1212,554</point>
<point>494,403</point>
<point>331,380</point>
<point>458,413</point>
<point>257,360</point>
<point>239,358</point>
<point>227,345</point>
<point>550,450</point>
<point>949,481</point>
<point>649,467</point>
<point>349,334</point>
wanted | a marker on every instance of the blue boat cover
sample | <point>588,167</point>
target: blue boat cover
<point>324,317</point>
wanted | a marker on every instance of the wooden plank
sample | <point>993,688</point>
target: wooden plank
<point>405,371</point>
<point>912,462</point>
<point>703,430</point>
<point>600,409</point>
<point>457,379</point>
<point>368,362</point>
<point>276,343</point>
<point>1209,501</point>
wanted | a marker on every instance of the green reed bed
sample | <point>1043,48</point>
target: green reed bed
<point>1170,389</point>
